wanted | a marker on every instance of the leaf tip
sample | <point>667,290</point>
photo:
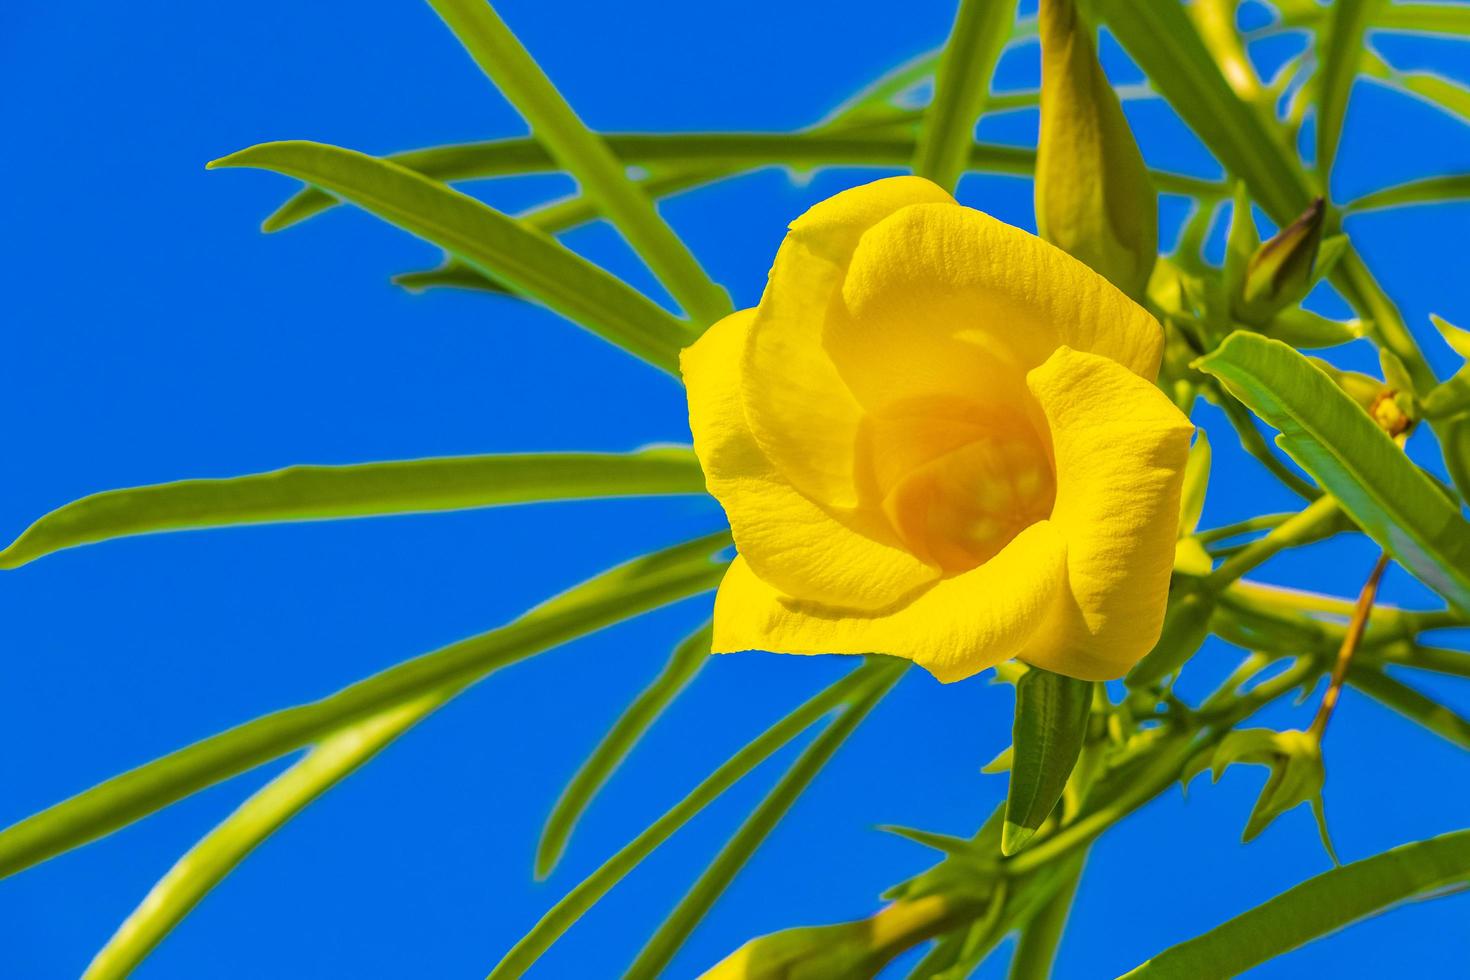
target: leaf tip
<point>1013,837</point>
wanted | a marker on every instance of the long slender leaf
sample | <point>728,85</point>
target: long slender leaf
<point>1315,908</point>
<point>586,894</point>
<point>635,587</point>
<point>208,862</point>
<point>1412,704</point>
<point>306,493</point>
<point>961,85</point>
<point>1424,18</point>
<point>1036,947</point>
<point>1339,50</point>
<point>1333,439</point>
<point>1432,87</point>
<point>691,910</point>
<point>1162,39</point>
<point>582,153</point>
<point>532,263</point>
<point>689,656</point>
<point>694,158</point>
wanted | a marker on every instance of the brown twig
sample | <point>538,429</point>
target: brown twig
<point>1345,652</point>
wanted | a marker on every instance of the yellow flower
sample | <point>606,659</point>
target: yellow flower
<point>937,437</point>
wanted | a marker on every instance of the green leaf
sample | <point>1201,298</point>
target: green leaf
<point>1186,624</point>
<point>1458,339</point>
<point>1304,329</point>
<point>1428,190</point>
<point>1051,723</point>
<point>1450,398</point>
<point>1196,482</point>
<point>1315,908</point>
<point>1332,438</point>
<point>571,907</point>
<point>640,585</point>
<point>220,851</point>
<point>689,159</point>
<point>1036,948</point>
<point>1241,243</point>
<point>582,153</point>
<point>960,88</point>
<point>1411,703</point>
<point>452,273</point>
<point>1439,91</point>
<point>689,656</point>
<point>945,843</point>
<point>691,910</point>
<point>1297,775</point>
<point>1340,43</point>
<point>1163,41</point>
<point>1454,442</point>
<point>533,264</point>
<point>314,493</point>
<point>1424,18</point>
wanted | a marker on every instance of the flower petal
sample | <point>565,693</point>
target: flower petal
<point>945,300</point>
<point>1119,446</point>
<point>956,628</point>
<point>802,414</point>
<point>788,539</point>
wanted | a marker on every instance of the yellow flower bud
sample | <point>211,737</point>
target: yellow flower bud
<point>1094,197</point>
<point>937,437</point>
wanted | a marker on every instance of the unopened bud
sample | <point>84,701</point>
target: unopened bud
<point>1094,197</point>
<point>1282,270</point>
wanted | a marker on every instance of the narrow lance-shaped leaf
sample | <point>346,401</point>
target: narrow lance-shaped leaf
<point>961,85</point>
<point>687,159</point>
<point>582,153</point>
<point>1332,438</point>
<point>209,861</point>
<point>689,656</point>
<point>1051,724</point>
<point>306,493</point>
<point>1339,49</point>
<point>675,930</point>
<point>532,263</point>
<point>1093,194</point>
<point>1163,41</point>
<point>645,583</point>
<point>571,907</point>
<point>1411,703</point>
<point>1315,908</point>
<point>1428,190</point>
<point>1436,89</point>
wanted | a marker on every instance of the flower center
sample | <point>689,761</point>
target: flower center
<point>964,503</point>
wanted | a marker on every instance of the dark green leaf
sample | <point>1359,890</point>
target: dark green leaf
<point>530,262</point>
<point>691,910</point>
<point>1051,723</point>
<point>582,153</point>
<point>220,851</point>
<point>1186,623</point>
<point>1332,438</point>
<point>587,893</point>
<point>689,656</point>
<point>1315,908</point>
<point>635,587</point>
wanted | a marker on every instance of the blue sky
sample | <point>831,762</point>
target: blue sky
<point>152,333</point>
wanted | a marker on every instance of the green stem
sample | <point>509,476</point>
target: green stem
<point>1310,524</point>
